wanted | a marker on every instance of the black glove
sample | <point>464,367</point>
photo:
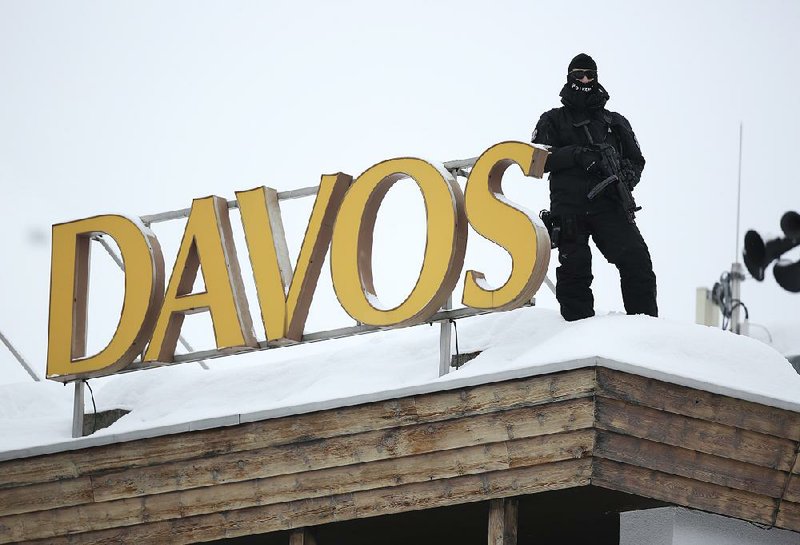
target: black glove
<point>629,174</point>
<point>588,159</point>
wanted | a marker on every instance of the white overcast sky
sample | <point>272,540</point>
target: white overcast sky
<point>138,107</point>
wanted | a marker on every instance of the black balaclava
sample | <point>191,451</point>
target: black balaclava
<point>583,96</point>
<point>582,60</point>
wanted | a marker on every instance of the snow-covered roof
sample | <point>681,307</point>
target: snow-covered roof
<point>35,418</point>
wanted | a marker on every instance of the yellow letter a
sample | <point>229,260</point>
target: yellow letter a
<point>207,243</point>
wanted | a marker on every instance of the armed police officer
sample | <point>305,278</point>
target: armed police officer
<point>594,163</point>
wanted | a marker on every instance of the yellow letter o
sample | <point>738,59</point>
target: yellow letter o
<point>351,247</point>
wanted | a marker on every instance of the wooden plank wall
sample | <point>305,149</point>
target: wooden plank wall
<point>697,449</point>
<point>491,441</point>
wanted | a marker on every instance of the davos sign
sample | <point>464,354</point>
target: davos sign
<point>343,218</point>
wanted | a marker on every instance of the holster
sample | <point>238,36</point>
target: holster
<point>553,226</point>
<point>560,228</point>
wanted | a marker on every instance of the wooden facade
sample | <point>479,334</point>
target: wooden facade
<point>489,443</point>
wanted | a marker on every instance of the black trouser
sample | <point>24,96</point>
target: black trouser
<point>622,244</point>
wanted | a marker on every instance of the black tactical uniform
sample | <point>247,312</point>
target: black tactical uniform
<point>574,171</point>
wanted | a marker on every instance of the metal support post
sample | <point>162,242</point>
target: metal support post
<point>445,336</point>
<point>445,326</point>
<point>737,275</point>
<point>77,409</point>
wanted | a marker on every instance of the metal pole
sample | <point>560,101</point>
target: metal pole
<point>737,270</point>
<point>110,251</point>
<point>549,284</point>
<point>739,193</point>
<point>189,349</point>
<point>451,166</point>
<point>445,335</point>
<point>445,326</point>
<point>121,265</point>
<point>19,357</point>
<point>77,410</point>
<point>737,275</point>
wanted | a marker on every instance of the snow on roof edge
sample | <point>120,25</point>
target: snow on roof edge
<point>443,384</point>
<point>698,384</point>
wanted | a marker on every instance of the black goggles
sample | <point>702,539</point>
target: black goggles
<point>578,74</point>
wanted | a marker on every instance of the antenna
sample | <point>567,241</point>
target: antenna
<point>738,196</point>
<point>737,270</point>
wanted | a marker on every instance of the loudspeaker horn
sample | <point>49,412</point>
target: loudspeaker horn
<point>790,225</point>
<point>788,275</point>
<point>758,255</point>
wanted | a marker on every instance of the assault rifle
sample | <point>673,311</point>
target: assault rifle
<point>612,173</point>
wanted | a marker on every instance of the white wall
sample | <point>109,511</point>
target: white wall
<point>648,527</point>
<point>679,526</point>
